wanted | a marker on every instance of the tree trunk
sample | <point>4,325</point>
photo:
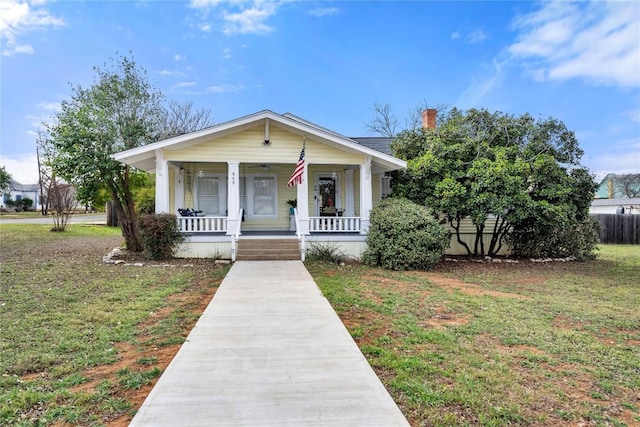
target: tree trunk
<point>457,228</point>
<point>128,222</point>
<point>129,226</point>
<point>498,235</point>
<point>479,240</point>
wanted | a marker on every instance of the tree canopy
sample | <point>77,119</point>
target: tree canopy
<point>119,111</point>
<point>5,179</point>
<point>517,172</point>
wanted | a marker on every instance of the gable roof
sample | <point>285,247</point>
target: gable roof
<point>378,143</point>
<point>25,188</point>
<point>144,157</point>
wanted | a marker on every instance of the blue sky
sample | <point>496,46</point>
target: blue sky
<point>330,61</point>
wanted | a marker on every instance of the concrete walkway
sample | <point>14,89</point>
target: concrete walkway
<point>269,350</point>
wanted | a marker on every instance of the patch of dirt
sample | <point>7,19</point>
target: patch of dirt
<point>452,284</point>
<point>444,318</point>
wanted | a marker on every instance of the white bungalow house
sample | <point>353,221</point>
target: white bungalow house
<point>236,174</point>
<point>18,191</point>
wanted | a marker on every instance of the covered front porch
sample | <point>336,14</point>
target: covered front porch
<point>237,197</point>
<point>217,203</point>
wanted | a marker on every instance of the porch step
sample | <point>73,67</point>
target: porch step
<point>268,250</point>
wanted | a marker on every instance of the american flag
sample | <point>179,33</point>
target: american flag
<point>296,177</point>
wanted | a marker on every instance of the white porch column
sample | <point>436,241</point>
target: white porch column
<point>366,194</point>
<point>349,207</point>
<point>302,194</point>
<point>162,183</point>
<point>233,197</point>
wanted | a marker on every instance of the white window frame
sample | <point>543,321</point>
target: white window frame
<point>384,178</point>
<point>249,197</point>
<point>222,192</point>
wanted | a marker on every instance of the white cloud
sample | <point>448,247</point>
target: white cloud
<point>480,86</point>
<point>321,12</point>
<point>44,112</point>
<point>18,18</point>
<point>178,57</point>
<point>238,16</point>
<point>23,168</point>
<point>185,84</point>
<point>170,73</point>
<point>596,41</point>
<point>624,158</point>
<point>633,115</point>
<point>222,88</point>
<point>250,20</point>
<point>476,36</point>
<point>226,53</point>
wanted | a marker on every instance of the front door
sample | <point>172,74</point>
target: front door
<point>326,196</point>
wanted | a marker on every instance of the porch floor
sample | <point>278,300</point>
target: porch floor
<point>269,350</point>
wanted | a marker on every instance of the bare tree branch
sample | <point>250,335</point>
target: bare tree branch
<point>628,184</point>
<point>383,123</point>
<point>181,117</point>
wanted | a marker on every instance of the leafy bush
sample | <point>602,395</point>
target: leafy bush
<point>325,252</point>
<point>160,235</point>
<point>577,239</point>
<point>404,236</point>
<point>145,200</point>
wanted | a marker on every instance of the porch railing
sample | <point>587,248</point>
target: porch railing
<point>202,224</point>
<point>334,224</point>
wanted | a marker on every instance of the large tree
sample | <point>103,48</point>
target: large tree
<point>481,165</point>
<point>5,180</point>
<point>628,185</point>
<point>119,111</point>
<point>178,118</point>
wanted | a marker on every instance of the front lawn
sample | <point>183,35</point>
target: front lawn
<point>501,343</point>
<point>82,342</point>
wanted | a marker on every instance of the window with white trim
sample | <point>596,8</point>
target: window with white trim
<point>385,186</point>
<point>210,195</point>
<point>259,196</point>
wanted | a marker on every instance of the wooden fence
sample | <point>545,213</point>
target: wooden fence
<point>620,229</point>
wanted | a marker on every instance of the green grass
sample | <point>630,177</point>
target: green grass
<point>567,351</point>
<point>63,313</point>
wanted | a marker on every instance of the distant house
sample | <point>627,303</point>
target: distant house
<point>615,206</point>
<point>609,200</point>
<point>18,191</point>
<point>607,190</point>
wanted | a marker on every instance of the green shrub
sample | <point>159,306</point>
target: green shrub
<point>404,236</point>
<point>160,235</point>
<point>145,200</point>
<point>325,252</point>
<point>578,239</point>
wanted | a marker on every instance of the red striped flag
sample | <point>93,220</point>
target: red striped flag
<point>296,177</point>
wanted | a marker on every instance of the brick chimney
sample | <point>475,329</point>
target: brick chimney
<point>429,118</point>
